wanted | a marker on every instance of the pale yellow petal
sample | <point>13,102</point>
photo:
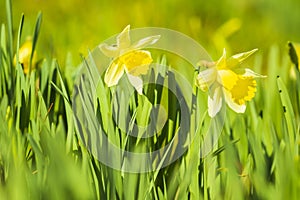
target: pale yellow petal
<point>205,63</point>
<point>137,62</point>
<point>215,102</point>
<point>221,63</point>
<point>145,42</point>
<point>237,59</point>
<point>113,73</point>
<point>250,73</point>
<point>136,82</point>
<point>206,78</point>
<point>109,51</point>
<point>123,39</point>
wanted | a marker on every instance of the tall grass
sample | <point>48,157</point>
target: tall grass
<point>43,152</point>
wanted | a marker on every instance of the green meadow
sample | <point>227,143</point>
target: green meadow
<point>55,105</point>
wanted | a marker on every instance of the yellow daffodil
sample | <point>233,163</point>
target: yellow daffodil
<point>128,58</point>
<point>294,52</point>
<point>24,56</point>
<point>226,79</point>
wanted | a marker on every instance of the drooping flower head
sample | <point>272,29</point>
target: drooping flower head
<point>294,52</point>
<point>128,58</point>
<point>226,79</point>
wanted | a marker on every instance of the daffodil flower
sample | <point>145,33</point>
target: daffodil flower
<point>24,56</point>
<point>226,79</point>
<point>128,58</point>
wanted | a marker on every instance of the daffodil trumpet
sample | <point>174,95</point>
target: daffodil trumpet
<point>128,58</point>
<point>227,80</point>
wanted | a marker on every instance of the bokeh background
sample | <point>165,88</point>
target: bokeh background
<point>239,25</point>
<point>257,156</point>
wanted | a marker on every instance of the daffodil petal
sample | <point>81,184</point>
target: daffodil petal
<point>215,102</point>
<point>136,82</point>
<point>123,39</point>
<point>249,72</point>
<point>206,78</point>
<point>113,73</point>
<point>109,51</point>
<point>205,63</point>
<point>230,102</point>
<point>237,59</point>
<point>145,42</point>
<point>221,63</point>
<point>137,62</point>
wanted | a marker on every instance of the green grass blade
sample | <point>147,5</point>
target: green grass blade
<point>35,37</point>
<point>10,30</point>
<point>288,111</point>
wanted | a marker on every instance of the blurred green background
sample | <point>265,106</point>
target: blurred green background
<point>239,25</point>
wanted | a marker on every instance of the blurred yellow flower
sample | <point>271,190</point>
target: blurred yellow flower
<point>129,58</point>
<point>24,56</point>
<point>226,79</point>
<point>223,33</point>
<point>294,52</point>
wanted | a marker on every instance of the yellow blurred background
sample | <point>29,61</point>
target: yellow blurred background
<point>78,25</point>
